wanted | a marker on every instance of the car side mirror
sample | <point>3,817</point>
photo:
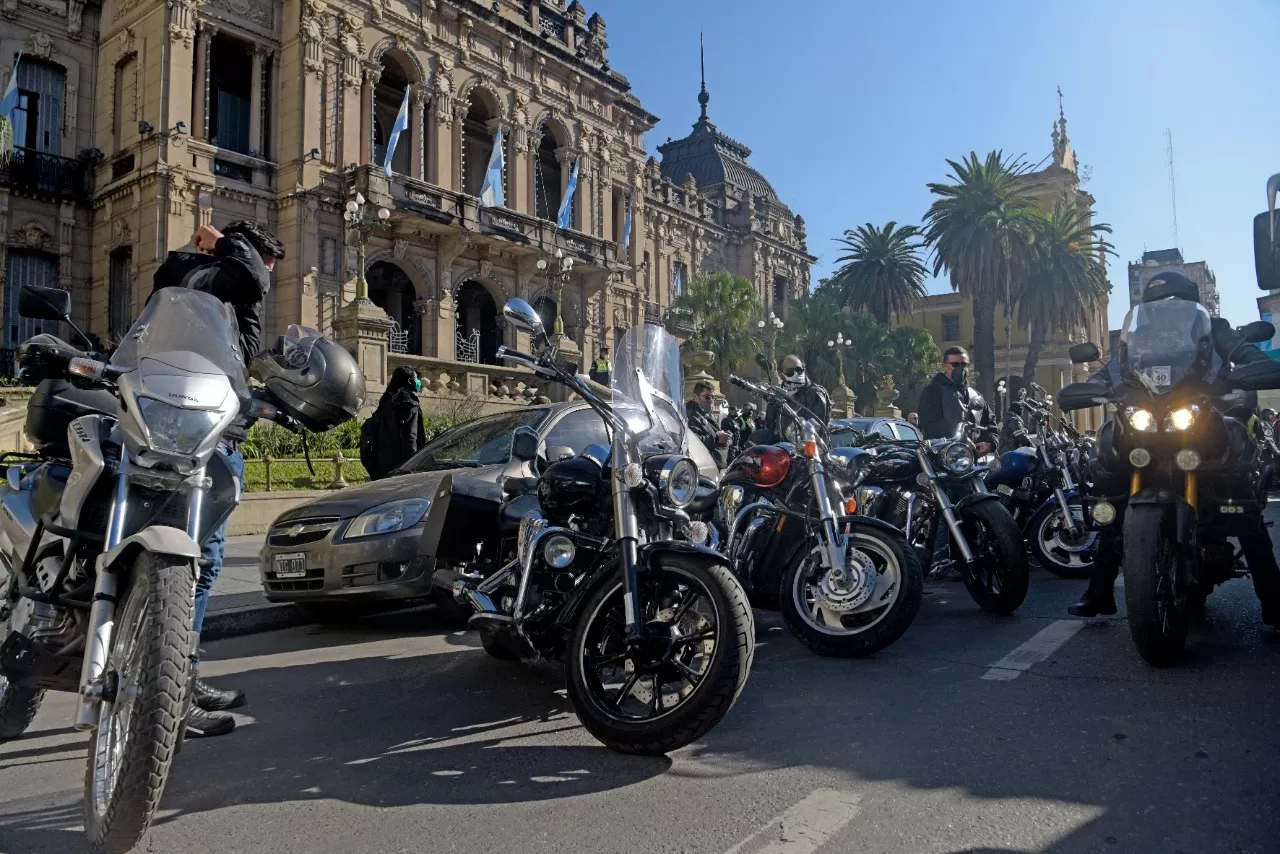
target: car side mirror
<point>1258,331</point>
<point>1083,353</point>
<point>1083,395</point>
<point>40,303</point>
<point>522,316</point>
<point>524,444</point>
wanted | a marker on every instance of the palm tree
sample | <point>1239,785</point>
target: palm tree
<point>881,269</point>
<point>724,308</point>
<point>1068,278</point>
<point>979,230</point>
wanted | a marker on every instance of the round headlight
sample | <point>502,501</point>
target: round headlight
<point>957,458</point>
<point>558,551</point>
<point>1140,458</point>
<point>1181,419</point>
<point>1187,459</point>
<point>1104,512</point>
<point>1141,420</point>
<point>678,481</point>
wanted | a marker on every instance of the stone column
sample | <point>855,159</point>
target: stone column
<point>426,310</point>
<point>361,327</point>
<point>440,151</point>
<point>199,109</point>
<point>366,116</point>
<point>417,109</point>
<point>255,101</point>
<point>446,328</point>
<point>352,123</point>
<point>519,171</point>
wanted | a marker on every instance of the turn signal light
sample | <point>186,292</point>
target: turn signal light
<point>810,449</point>
<point>850,506</point>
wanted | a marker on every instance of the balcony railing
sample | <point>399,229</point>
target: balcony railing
<point>38,173</point>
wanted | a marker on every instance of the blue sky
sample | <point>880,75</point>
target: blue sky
<point>851,106</point>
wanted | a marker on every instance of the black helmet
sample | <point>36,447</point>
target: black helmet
<point>1268,414</point>
<point>1173,285</point>
<point>311,378</point>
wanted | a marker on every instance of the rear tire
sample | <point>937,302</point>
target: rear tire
<point>885,549</point>
<point>1157,624</point>
<point>18,707</point>
<point>999,577</point>
<point>150,651</point>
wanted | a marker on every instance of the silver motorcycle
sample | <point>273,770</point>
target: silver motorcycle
<point>100,538</point>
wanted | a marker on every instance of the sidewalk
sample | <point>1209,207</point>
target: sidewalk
<point>236,603</point>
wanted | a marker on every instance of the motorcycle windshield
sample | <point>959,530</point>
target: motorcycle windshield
<point>647,375</point>
<point>1164,343</point>
<point>180,321</point>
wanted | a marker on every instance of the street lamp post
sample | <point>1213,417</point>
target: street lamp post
<point>362,225</point>
<point>838,346</point>
<point>558,271</point>
<point>774,325</point>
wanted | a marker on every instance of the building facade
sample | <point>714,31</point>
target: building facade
<point>1166,260</point>
<point>949,316</point>
<point>281,112</point>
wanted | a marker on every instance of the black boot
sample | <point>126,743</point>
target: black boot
<point>210,699</point>
<point>1271,612</point>
<point>1095,603</point>
<point>202,724</point>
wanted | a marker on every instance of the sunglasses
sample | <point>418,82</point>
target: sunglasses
<point>791,372</point>
<point>958,364</point>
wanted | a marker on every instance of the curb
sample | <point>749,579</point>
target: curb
<point>250,620</point>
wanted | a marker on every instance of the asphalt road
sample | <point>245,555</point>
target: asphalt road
<point>398,736</point>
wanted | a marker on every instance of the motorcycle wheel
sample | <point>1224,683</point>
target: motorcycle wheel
<point>678,684</point>
<point>999,577</point>
<point>1055,549</point>
<point>1157,622</point>
<point>806,595</point>
<point>18,707</point>
<point>148,668</point>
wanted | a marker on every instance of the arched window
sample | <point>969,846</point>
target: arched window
<point>546,308</point>
<point>477,145</point>
<point>37,119</point>
<point>477,321</point>
<point>387,97</point>
<point>392,291</point>
<point>548,174</point>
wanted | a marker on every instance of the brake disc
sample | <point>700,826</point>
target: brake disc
<point>856,587</point>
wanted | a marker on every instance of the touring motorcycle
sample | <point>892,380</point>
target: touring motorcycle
<point>655,632</point>
<point>100,537</point>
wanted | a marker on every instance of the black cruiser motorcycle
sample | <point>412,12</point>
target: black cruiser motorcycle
<point>656,634</point>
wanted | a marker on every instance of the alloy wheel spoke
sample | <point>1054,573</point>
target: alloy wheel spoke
<point>689,673</point>
<point>625,690</point>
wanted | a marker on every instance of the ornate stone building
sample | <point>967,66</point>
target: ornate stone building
<point>206,111</point>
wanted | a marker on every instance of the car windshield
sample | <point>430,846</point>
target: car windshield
<point>180,320</point>
<point>647,375</point>
<point>482,442</point>
<point>1166,342</point>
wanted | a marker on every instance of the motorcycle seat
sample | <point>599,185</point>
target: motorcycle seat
<point>704,500</point>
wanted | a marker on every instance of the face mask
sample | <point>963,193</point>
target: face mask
<point>960,376</point>
<point>417,384</point>
<point>795,380</point>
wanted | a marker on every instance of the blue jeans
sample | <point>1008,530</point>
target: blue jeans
<point>214,547</point>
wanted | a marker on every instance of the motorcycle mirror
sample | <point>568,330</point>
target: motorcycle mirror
<point>1266,240</point>
<point>1257,376</point>
<point>522,316</point>
<point>524,444</point>
<point>1258,331</point>
<point>1085,352</point>
<point>1083,395</point>
<point>40,303</point>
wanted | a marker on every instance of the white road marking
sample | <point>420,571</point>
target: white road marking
<point>1040,646</point>
<point>805,827</point>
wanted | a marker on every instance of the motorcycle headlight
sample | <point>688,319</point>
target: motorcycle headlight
<point>678,481</point>
<point>957,458</point>
<point>1141,420</point>
<point>388,518</point>
<point>173,428</point>
<point>558,551</point>
<point>1181,419</point>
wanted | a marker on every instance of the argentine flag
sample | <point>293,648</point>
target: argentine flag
<point>566,207</point>
<point>402,123</point>
<point>626,225</point>
<point>8,103</point>
<point>491,195</point>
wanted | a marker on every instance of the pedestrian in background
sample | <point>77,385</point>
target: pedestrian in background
<point>601,368</point>
<point>394,431</point>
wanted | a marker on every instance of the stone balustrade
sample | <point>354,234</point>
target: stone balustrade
<point>493,387</point>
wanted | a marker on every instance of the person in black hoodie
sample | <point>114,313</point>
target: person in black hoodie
<point>235,266</point>
<point>945,401</point>
<point>393,433</point>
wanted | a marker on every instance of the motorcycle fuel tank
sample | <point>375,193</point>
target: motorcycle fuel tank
<point>1012,467</point>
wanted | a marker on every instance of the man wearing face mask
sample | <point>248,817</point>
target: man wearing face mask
<point>948,400</point>
<point>807,394</point>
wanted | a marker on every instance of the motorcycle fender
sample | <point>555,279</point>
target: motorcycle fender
<point>1184,515</point>
<point>974,498</point>
<point>160,539</point>
<point>868,522</point>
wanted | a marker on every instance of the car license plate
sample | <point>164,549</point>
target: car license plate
<point>291,565</point>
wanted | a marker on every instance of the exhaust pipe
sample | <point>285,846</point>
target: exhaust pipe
<point>466,594</point>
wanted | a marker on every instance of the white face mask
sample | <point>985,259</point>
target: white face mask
<point>794,381</point>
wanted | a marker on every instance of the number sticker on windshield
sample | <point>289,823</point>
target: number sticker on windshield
<point>1159,374</point>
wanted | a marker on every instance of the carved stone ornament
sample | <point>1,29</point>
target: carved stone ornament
<point>124,7</point>
<point>75,18</point>
<point>260,12</point>
<point>182,21</point>
<point>36,236</point>
<point>39,44</point>
<point>400,248</point>
<point>120,233</point>
<point>9,8</point>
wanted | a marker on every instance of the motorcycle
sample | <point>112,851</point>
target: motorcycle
<point>100,538</point>
<point>1192,471</point>
<point>1037,485</point>
<point>847,585</point>
<point>656,634</point>
<point>912,484</point>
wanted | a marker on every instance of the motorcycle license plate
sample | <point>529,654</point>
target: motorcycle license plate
<point>1161,375</point>
<point>291,565</point>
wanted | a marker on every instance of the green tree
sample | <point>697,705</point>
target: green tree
<point>979,228</point>
<point>881,270</point>
<point>915,360</point>
<point>1068,278</point>
<point>725,309</point>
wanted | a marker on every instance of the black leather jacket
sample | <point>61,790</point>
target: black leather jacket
<point>943,406</point>
<point>811,397</point>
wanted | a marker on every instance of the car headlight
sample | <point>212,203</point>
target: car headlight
<point>388,518</point>
<point>678,481</point>
<point>173,428</point>
<point>1181,419</point>
<point>957,458</point>
<point>1141,420</point>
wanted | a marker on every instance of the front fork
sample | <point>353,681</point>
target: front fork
<point>945,508</point>
<point>1067,485</point>
<point>102,612</point>
<point>833,545</point>
<point>627,530</point>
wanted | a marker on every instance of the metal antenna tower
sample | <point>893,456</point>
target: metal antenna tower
<point>1173,186</point>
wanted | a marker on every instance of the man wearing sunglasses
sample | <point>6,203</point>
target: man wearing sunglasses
<point>948,400</point>
<point>803,391</point>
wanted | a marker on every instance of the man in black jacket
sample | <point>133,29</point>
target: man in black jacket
<point>236,268</point>
<point>698,410</point>
<point>1259,556</point>
<point>810,398</point>
<point>945,402</point>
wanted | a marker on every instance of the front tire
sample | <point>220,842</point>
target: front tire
<point>132,747</point>
<point>872,625</point>
<point>1157,622</point>
<point>18,707</point>
<point>699,657</point>
<point>1053,547</point>
<point>998,578</point>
